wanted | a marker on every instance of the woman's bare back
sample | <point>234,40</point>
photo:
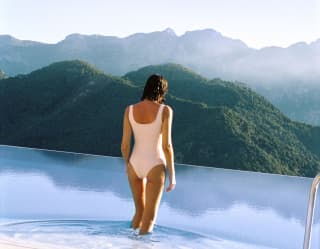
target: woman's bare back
<point>145,111</point>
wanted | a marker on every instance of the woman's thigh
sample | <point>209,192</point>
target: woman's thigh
<point>154,186</point>
<point>137,187</point>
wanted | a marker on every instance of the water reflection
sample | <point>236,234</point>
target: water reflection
<point>241,206</point>
<point>287,196</point>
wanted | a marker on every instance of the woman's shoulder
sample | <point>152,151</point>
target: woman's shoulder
<point>167,107</point>
<point>167,110</point>
<point>130,106</point>
<point>127,108</point>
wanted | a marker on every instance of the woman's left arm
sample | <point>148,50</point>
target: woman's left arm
<point>126,137</point>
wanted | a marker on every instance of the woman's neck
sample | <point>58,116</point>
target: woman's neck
<point>154,101</point>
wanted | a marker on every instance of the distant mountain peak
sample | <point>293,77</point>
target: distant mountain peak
<point>75,36</point>
<point>298,44</point>
<point>9,40</point>
<point>170,31</point>
<point>203,32</point>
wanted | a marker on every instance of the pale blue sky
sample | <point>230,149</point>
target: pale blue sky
<point>258,23</point>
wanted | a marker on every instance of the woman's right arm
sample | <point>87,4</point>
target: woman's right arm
<point>126,137</point>
<point>167,146</point>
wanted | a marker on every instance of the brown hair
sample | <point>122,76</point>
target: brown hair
<point>155,88</point>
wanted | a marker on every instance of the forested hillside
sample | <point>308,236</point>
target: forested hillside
<point>72,106</point>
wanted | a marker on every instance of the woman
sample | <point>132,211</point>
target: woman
<point>150,121</point>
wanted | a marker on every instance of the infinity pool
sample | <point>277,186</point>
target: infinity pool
<point>53,199</point>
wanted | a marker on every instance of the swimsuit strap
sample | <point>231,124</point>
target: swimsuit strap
<point>130,113</point>
<point>160,112</point>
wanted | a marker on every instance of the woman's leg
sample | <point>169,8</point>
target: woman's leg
<point>154,188</point>
<point>138,193</point>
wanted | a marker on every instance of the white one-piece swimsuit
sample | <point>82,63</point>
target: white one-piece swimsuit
<point>147,150</point>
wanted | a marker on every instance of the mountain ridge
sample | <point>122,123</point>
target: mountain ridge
<point>286,76</point>
<point>8,37</point>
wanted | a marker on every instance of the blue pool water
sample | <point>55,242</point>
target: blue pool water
<point>66,200</point>
<point>100,234</point>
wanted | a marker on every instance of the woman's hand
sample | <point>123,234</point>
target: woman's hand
<point>170,187</point>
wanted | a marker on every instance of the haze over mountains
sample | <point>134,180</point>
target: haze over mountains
<point>205,51</point>
<point>288,77</point>
<point>75,107</point>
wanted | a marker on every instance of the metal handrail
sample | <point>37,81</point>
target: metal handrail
<point>312,198</point>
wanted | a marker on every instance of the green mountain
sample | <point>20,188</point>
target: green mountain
<point>298,100</point>
<point>288,77</point>
<point>72,106</point>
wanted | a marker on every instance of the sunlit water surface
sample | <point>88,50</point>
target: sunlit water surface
<point>61,200</point>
